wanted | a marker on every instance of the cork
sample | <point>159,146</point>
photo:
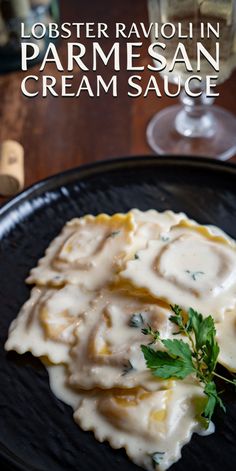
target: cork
<point>11,167</point>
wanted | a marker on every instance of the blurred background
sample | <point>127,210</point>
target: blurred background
<point>60,133</point>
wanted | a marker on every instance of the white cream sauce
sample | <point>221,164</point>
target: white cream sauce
<point>88,324</point>
<point>191,267</point>
<point>26,333</point>
<point>106,351</point>
<point>80,253</point>
<point>62,312</point>
<point>141,421</point>
<point>46,322</point>
<point>144,423</point>
<point>152,225</point>
<point>226,338</point>
<point>59,385</point>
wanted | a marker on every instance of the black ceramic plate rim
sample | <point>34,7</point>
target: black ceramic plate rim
<point>85,171</point>
<point>61,178</point>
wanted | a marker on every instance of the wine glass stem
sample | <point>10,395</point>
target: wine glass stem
<point>195,118</point>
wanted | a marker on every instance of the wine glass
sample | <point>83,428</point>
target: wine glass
<point>195,127</point>
<point>29,12</point>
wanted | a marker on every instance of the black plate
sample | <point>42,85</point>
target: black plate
<point>37,431</point>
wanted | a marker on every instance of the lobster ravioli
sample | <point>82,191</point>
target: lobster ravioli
<point>87,252</point>
<point>103,283</point>
<point>106,351</point>
<point>191,267</point>
<point>152,426</point>
<point>45,323</point>
<point>152,225</point>
<point>226,337</point>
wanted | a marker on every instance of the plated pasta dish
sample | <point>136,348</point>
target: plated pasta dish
<point>130,313</point>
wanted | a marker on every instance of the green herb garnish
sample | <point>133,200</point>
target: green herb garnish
<point>153,333</point>
<point>194,274</point>
<point>136,320</point>
<point>113,234</point>
<point>165,238</point>
<point>157,457</point>
<point>197,356</point>
<point>127,368</point>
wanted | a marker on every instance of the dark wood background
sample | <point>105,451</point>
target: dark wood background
<point>60,133</point>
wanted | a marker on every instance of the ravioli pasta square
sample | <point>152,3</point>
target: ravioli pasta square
<point>226,337</point>
<point>45,323</point>
<point>151,426</point>
<point>80,253</point>
<point>190,267</point>
<point>106,351</point>
<point>103,283</point>
<point>26,333</point>
<point>152,225</point>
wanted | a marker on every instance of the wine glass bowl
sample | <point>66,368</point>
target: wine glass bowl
<point>196,126</point>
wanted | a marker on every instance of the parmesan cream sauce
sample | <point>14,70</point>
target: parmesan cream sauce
<point>163,420</point>
<point>97,274</point>
<point>191,267</point>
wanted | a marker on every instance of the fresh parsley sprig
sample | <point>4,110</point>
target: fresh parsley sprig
<point>197,356</point>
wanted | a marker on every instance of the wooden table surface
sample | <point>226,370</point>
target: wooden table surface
<point>60,133</point>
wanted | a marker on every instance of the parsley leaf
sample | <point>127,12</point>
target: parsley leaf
<point>204,329</point>
<point>198,355</point>
<point>212,400</point>
<point>176,362</point>
<point>178,348</point>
